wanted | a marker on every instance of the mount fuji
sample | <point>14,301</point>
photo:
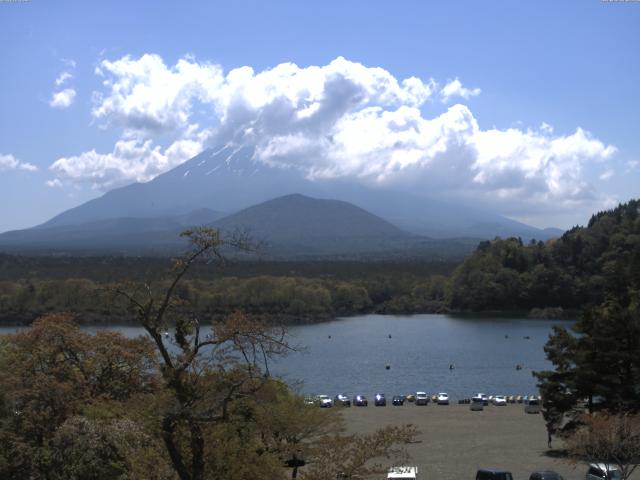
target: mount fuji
<point>222,182</point>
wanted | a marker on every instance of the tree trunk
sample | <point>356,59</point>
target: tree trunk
<point>168,431</point>
<point>197,452</point>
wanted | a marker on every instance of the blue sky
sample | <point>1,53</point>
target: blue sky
<point>547,95</point>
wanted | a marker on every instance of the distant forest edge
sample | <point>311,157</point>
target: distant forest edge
<point>543,278</point>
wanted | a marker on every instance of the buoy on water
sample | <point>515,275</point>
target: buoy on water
<point>518,367</point>
<point>329,336</point>
<point>389,335</point>
<point>451,366</point>
<point>388,367</point>
<point>506,336</point>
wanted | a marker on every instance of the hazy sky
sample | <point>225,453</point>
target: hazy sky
<point>530,109</point>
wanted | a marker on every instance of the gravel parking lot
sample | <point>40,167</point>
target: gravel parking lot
<point>455,441</point>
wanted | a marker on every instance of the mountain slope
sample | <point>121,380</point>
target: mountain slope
<point>298,216</point>
<point>124,235</point>
<point>295,225</point>
<point>229,179</point>
<point>289,227</point>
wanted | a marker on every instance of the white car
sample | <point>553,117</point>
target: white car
<point>485,399</point>
<point>422,398</point>
<point>602,471</point>
<point>324,401</point>
<point>402,472</point>
<point>443,398</point>
<point>500,400</point>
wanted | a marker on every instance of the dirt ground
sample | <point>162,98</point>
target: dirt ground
<point>455,442</point>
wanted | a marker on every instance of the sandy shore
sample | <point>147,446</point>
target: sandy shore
<point>455,441</point>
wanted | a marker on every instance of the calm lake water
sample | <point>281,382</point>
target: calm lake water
<point>350,355</point>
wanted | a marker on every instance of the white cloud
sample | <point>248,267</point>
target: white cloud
<point>63,98</point>
<point>55,183</point>
<point>69,62</point>
<point>9,162</point>
<point>633,164</point>
<point>62,78</point>
<point>132,160</point>
<point>340,120</point>
<point>607,175</point>
<point>455,89</point>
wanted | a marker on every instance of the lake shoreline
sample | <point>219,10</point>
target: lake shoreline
<point>23,319</point>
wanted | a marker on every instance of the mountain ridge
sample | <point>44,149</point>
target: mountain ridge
<point>229,179</point>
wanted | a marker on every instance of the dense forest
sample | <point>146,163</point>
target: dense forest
<point>561,275</point>
<point>570,272</point>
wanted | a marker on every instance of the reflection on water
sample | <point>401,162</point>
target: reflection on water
<point>350,355</point>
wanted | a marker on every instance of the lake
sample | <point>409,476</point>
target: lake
<point>350,355</point>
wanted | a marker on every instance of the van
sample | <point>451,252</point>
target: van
<point>532,405</point>
<point>493,474</point>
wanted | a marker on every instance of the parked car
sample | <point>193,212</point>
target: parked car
<point>545,475</point>
<point>360,401</point>
<point>477,404</point>
<point>484,398</point>
<point>324,401</point>
<point>602,471</point>
<point>532,405</point>
<point>380,400</point>
<point>493,474</point>
<point>309,400</point>
<point>342,399</point>
<point>402,472</point>
<point>398,400</point>
<point>500,400</point>
<point>422,398</point>
<point>443,398</point>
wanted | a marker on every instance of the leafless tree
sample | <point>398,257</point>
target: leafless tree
<point>613,440</point>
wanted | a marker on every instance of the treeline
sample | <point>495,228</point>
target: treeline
<point>560,275</point>
<point>283,299</point>
<point>571,272</point>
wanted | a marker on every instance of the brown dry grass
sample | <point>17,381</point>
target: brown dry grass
<point>455,441</point>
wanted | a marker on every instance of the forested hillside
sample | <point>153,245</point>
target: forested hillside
<point>570,272</point>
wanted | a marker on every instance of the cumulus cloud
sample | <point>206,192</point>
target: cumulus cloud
<point>340,120</point>
<point>132,160</point>
<point>9,162</point>
<point>55,183</point>
<point>63,98</point>
<point>62,78</point>
<point>454,88</point>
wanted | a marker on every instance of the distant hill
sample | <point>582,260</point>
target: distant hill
<point>298,216</point>
<point>289,227</point>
